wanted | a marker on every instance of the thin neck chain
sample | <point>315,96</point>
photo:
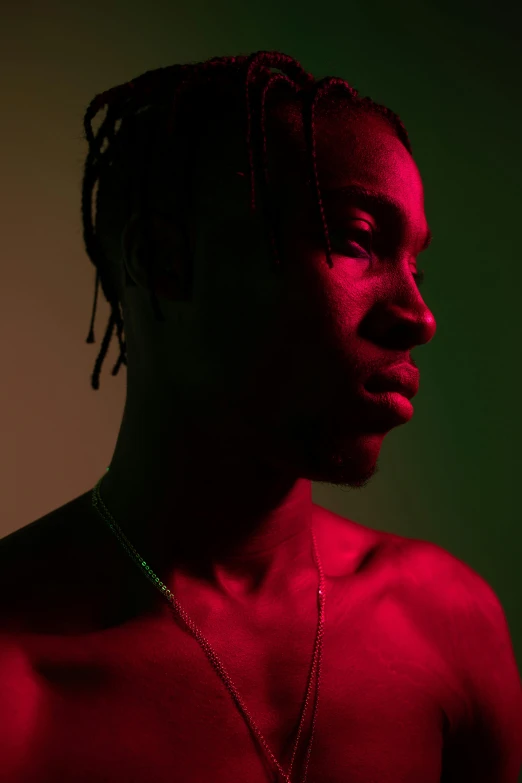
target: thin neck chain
<point>98,504</point>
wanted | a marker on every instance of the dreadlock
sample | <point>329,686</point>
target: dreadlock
<point>180,87</point>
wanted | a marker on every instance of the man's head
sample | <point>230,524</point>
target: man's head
<point>282,349</point>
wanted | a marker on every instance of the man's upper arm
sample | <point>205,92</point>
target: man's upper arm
<point>487,746</point>
<point>18,708</point>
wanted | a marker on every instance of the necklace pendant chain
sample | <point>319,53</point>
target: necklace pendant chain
<point>97,502</point>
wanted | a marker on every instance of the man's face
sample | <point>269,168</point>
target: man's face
<point>287,352</point>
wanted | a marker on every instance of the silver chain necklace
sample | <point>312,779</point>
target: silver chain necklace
<point>211,655</point>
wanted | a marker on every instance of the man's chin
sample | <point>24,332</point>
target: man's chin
<point>343,473</point>
<point>350,461</point>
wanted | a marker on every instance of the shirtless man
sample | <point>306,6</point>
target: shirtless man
<point>242,397</point>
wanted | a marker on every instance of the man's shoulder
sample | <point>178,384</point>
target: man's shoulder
<point>415,562</point>
<point>20,695</point>
<point>441,580</point>
<point>441,571</point>
<point>21,553</point>
<point>467,614</point>
<point>485,743</point>
<point>448,598</point>
<point>19,557</point>
<point>47,529</point>
<point>33,557</point>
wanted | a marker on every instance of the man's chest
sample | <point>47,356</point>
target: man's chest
<point>151,704</point>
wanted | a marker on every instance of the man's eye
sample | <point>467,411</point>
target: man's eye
<point>350,239</point>
<point>347,240</point>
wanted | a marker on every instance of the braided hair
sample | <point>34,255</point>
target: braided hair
<point>165,103</point>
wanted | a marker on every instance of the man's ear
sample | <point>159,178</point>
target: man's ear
<point>157,243</point>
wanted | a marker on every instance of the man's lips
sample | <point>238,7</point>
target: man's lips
<point>402,378</point>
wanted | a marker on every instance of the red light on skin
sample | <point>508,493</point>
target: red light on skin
<point>393,401</point>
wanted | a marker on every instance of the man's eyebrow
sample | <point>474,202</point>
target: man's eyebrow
<point>376,202</point>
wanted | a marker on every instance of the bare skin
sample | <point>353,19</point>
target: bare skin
<point>104,684</point>
<point>235,405</point>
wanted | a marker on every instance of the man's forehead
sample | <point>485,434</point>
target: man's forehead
<point>364,151</point>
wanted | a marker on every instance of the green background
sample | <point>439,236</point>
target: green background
<point>452,73</point>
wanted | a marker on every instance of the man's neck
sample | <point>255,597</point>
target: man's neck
<point>237,548</point>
